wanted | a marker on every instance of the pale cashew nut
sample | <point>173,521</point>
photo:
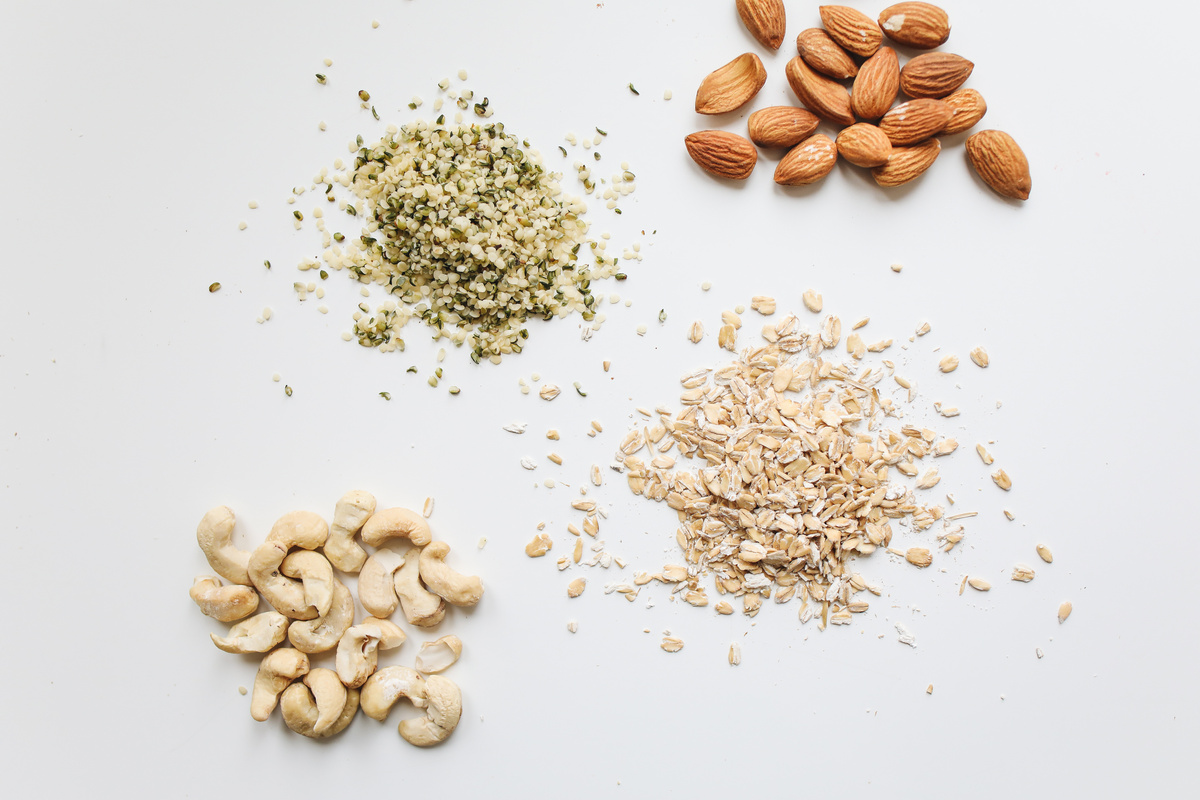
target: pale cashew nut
<point>330,696</point>
<point>377,584</point>
<point>224,603</point>
<point>214,534</point>
<point>421,607</point>
<point>284,594</point>
<point>315,575</point>
<point>358,650</point>
<point>255,635</point>
<point>319,635</point>
<point>276,671</point>
<point>385,687</point>
<point>439,655</point>
<point>455,588</point>
<point>299,529</point>
<point>300,712</point>
<point>349,514</point>
<point>443,710</point>
<point>394,523</point>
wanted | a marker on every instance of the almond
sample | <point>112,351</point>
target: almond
<point>807,162</point>
<point>864,145</point>
<point>915,121</point>
<point>968,107</point>
<point>781,126</point>
<point>764,19</point>
<point>1000,162</point>
<point>876,86</point>
<point>731,86</point>
<point>723,154</point>
<point>824,97</point>
<point>934,74</point>
<point>919,25</point>
<point>907,163</point>
<point>823,54</point>
<point>852,29</point>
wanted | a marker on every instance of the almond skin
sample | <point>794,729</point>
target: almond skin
<point>852,29</point>
<point>781,126</point>
<point>823,54</point>
<point>864,145</point>
<point>920,25</point>
<point>765,19</point>
<point>877,84</point>
<point>807,162</point>
<point>1000,163</point>
<point>915,121</point>
<point>723,154</point>
<point>907,163</point>
<point>968,107</point>
<point>825,98</point>
<point>731,86</point>
<point>934,74</point>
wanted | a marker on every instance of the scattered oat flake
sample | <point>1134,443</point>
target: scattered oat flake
<point>427,508</point>
<point>672,644</point>
<point>905,636</point>
<point>576,587</point>
<point>979,584</point>
<point>929,689</point>
<point>516,427</point>
<point>539,546</point>
<point>1044,552</point>
<point>813,301</point>
<point>763,304</point>
<point>548,392</point>
<point>1002,480</point>
<point>948,364</point>
<point>897,267</point>
<point>735,654</point>
<point>1023,573</point>
<point>1009,515</point>
<point>984,454</point>
<point>980,357</point>
<point>528,463</point>
<point>918,557</point>
<point>572,626</point>
<point>1064,611</point>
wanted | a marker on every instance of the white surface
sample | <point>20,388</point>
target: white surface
<point>131,400</point>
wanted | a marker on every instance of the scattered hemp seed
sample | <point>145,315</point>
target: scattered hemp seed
<point>579,390</point>
<point>374,23</point>
<point>374,113</point>
<point>321,126</point>
<point>667,94</point>
<point>328,62</point>
<point>454,390</point>
<point>287,390</point>
<point>562,150</point>
<point>320,79</point>
<point>662,315</point>
<point>276,377</point>
<point>897,267</point>
<point>253,204</point>
<point>462,74</point>
<point>364,95</point>
<point>386,395</point>
<point>213,287</point>
<point>241,226</point>
<point>412,369</point>
<point>632,89</point>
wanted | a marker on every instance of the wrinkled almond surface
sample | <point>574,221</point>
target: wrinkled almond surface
<point>765,19</point>
<point>920,25</point>
<point>807,162</point>
<point>723,154</point>
<point>934,74</point>
<point>732,86</point>
<point>1000,163</point>
<point>864,145</point>
<point>781,126</point>
<point>915,121</point>
<point>852,29</point>
<point>824,97</point>
<point>968,108</point>
<point>907,163</point>
<point>876,85</point>
<point>825,55</point>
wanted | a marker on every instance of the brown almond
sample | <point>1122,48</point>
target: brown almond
<point>824,97</point>
<point>807,162</point>
<point>781,126</point>
<point>852,29</point>
<point>723,154</point>
<point>907,163</point>
<point>864,145</point>
<point>823,54</point>
<point>877,84</point>
<point>1000,163</point>
<point>934,74</point>
<point>764,19</point>
<point>915,121</point>
<point>920,25</point>
<point>968,107</point>
<point>731,86</point>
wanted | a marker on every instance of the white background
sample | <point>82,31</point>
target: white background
<point>132,400</point>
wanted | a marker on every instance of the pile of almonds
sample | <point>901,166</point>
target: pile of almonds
<point>896,143</point>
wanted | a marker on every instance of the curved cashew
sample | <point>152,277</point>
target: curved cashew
<point>443,710</point>
<point>316,576</point>
<point>255,635</point>
<point>421,608</point>
<point>377,584</point>
<point>299,529</point>
<point>319,635</point>
<point>439,655</point>
<point>348,517</point>
<point>276,671</point>
<point>358,650</point>
<point>284,594</point>
<point>300,712</point>
<point>396,522</point>
<point>385,687</point>
<point>224,603</point>
<point>214,534</point>
<point>330,696</point>
<point>455,588</point>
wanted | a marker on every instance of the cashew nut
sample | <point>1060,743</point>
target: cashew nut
<point>455,588</point>
<point>276,671</point>
<point>316,576</point>
<point>377,584</point>
<point>300,712</point>
<point>348,517</point>
<point>442,712</point>
<point>284,594</point>
<point>255,635</point>
<point>224,603</point>
<point>358,650</point>
<point>392,523</point>
<point>330,696</point>
<point>421,608</point>
<point>299,529</point>
<point>319,635</point>
<point>214,534</point>
<point>439,655</point>
<point>385,687</point>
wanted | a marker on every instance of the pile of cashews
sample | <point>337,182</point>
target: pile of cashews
<point>293,571</point>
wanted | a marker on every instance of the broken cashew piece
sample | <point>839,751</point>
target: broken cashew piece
<point>276,671</point>
<point>255,635</point>
<point>214,534</point>
<point>439,655</point>
<point>330,696</point>
<point>395,523</point>
<point>223,603</point>
<point>377,583</point>
<point>302,529</point>
<point>319,635</point>
<point>453,587</point>
<point>385,687</point>
<point>315,575</point>
<point>421,607</point>
<point>358,650</point>
<point>354,509</point>
<point>442,712</point>
<point>300,712</point>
